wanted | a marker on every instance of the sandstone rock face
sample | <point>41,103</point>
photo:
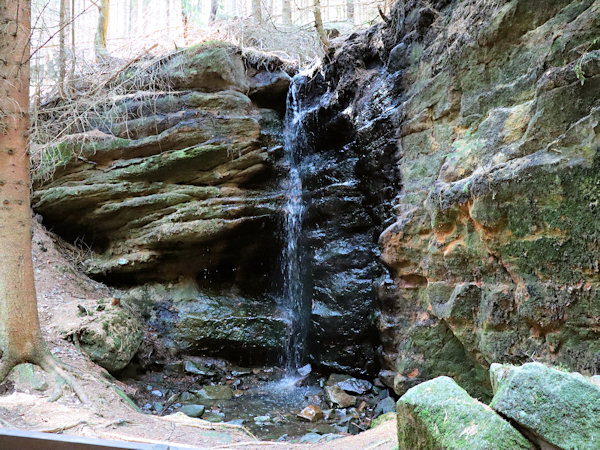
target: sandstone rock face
<point>182,188</point>
<point>440,414</point>
<point>555,409</point>
<point>489,111</point>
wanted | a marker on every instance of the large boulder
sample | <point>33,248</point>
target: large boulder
<point>112,335</point>
<point>440,414</point>
<point>214,323</point>
<point>552,407</point>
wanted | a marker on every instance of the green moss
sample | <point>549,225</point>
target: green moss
<point>439,414</point>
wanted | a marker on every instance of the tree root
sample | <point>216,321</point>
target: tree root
<point>49,364</point>
<point>63,378</point>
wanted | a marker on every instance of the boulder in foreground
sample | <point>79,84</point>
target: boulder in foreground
<point>548,405</point>
<point>440,414</point>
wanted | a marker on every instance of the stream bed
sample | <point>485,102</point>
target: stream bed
<point>265,400</point>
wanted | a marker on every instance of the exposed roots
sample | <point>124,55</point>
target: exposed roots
<point>51,366</point>
<point>63,377</point>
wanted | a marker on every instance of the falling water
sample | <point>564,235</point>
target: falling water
<point>292,295</point>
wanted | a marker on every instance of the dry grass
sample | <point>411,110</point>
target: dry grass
<point>298,44</point>
<point>91,101</point>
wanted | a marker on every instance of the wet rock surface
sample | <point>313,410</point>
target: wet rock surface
<point>489,113</point>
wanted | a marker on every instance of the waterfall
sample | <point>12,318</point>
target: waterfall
<point>293,209</point>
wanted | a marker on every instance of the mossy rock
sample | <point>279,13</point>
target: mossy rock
<point>112,338</point>
<point>440,414</point>
<point>551,406</point>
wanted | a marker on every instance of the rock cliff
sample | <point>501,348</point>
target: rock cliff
<point>489,112</point>
<point>175,194</point>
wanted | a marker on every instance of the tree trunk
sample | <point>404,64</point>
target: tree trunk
<point>319,25</point>
<point>286,12</point>
<point>101,31</point>
<point>350,11</point>
<point>185,18</point>
<point>73,52</point>
<point>62,51</point>
<point>20,336</point>
<point>257,11</point>
<point>214,6</point>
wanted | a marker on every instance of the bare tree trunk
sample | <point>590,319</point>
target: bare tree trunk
<point>101,31</point>
<point>350,11</point>
<point>257,11</point>
<point>214,6</point>
<point>319,25</point>
<point>185,18</point>
<point>73,53</point>
<point>20,335</point>
<point>286,12</point>
<point>62,52</point>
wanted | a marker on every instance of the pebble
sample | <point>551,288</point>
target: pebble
<point>355,386</point>
<point>337,397</point>
<point>157,393</point>
<point>385,406</point>
<point>311,413</point>
<point>193,410</point>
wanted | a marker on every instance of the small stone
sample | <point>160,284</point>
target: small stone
<point>311,438</point>
<point>191,367</point>
<point>188,397</point>
<point>311,413</point>
<point>239,422</point>
<point>193,410</point>
<point>261,420</point>
<point>355,386</point>
<point>328,414</point>
<point>385,406</point>
<point>158,407</point>
<point>337,397</point>
<point>157,393</point>
<point>217,392</point>
<point>147,407</point>
<point>335,378</point>
<point>305,370</point>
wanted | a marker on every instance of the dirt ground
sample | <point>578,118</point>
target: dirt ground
<point>25,398</point>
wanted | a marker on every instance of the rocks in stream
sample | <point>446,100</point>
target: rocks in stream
<point>338,398</point>
<point>311,413</point>
<point>193,410</point>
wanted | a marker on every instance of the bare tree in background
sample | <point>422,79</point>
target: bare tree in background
<point>350,11</point>
<point>21,338</point>
<point>101,31</point>
<point>257,11</point>
<point>214,6</point>
<point>63,20</point>
<point>286,12</point>
<point>319,25</point>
